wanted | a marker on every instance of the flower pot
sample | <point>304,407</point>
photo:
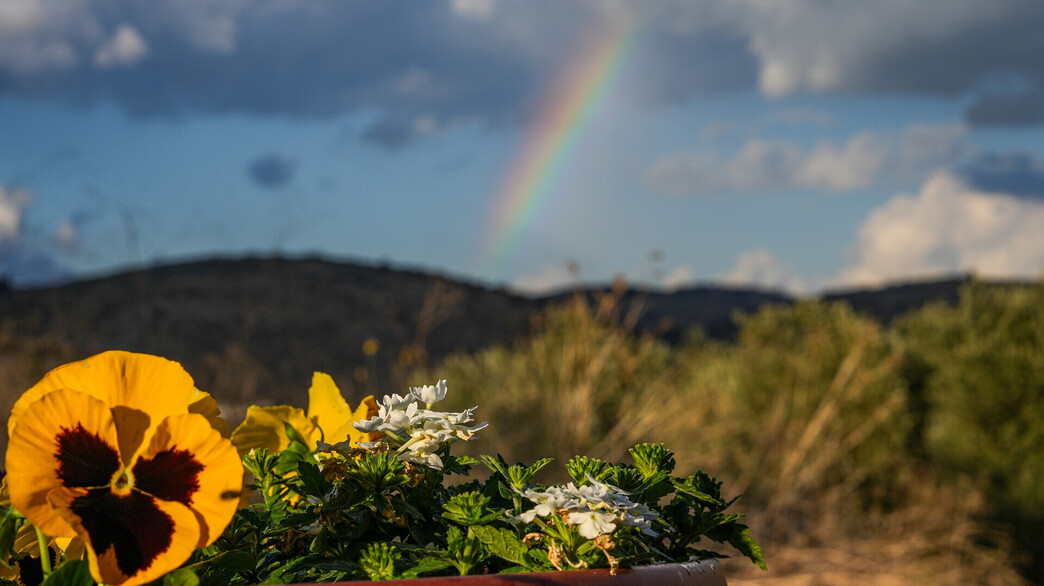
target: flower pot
<point>701,573</point>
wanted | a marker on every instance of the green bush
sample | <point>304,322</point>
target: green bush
<point>983,376</point>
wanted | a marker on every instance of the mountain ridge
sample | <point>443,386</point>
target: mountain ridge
<point>286,317</point>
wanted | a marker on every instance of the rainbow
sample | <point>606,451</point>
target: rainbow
<point>550,142</point>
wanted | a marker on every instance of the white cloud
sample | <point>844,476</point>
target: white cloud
<point>948,228</point>
<point>843,167</point>
<point>681,276</point>
<point>67,236</point>
<point>475,9</point>
<point>13,202</point>
<point>760,268</point>
<point>550,279</point>
<point>770,165</point>
<point>125,48</point>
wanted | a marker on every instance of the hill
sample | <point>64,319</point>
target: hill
<point>283,318</point>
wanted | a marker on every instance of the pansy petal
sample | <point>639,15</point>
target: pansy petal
<point>326,406</point>
<point>263,428</point>
<point>205,405</point>
<point>328,409</point>
<point>150,384</point>
<point>65,438</point>
<point>130,539</point>
<point>188,461</point>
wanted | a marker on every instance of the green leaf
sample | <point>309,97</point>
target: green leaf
<point>689,487</point>
<point>502,543</point>
<point>469,508</point>
<point>580,467</point>
<point>427,565</point>
<point>75,573</point>
<point>746,545</point>
<point>8,531</point>
<point>181,577</point>
<point>312,479</point>
<point>234,561</point>
<point>651,459</point>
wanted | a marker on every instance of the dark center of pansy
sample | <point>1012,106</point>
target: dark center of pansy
<point>172,475</point>
<point>131,525</point>
<point>84,459</point>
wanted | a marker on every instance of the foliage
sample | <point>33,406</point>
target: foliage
<point>813,412</point>
<point>370,514</point>
<point>980,369</point>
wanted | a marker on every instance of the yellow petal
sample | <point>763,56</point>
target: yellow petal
<point>131,539</point>
<point>188,461</point>
<point>154,386</point>
<point>206,406</point>
<point>263,428</point>
<point>328,409</point>
<point>367,408</point>
<point>65,438</point>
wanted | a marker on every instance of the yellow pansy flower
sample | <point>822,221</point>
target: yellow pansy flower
<point>114,450</point>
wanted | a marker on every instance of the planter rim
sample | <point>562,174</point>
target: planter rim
<point>694,573</point>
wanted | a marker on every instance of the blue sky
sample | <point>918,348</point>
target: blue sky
<point>797,145</point>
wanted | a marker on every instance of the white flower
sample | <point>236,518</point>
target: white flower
<point>394,401</point>
<point>420,449</point>
<point>597,507</point>
<point>368,425</point>
<point>592,523</point>
<point>430,394</point>
<point>548,501</point>
<point>397,419</point>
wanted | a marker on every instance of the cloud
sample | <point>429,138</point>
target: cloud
<point>272,170</point>
<point>550,279</point>
<point>681,276</point>
<point>443,63</point>
<point>13,203</point>
<point>477,9</point>
<point>836,167</point>
<point>914,47</point>
<point>21,262</point>
<point>67,237</point>
<point>1018,174</point>
<point>949,227</point>
<point>125,48</point>
<point>486,62</point>
<point>760,268</point>
<point>1008,109</point>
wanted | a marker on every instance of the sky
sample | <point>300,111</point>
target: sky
<point>799,146</point>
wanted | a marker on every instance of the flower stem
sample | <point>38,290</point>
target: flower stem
<point>45,553</point>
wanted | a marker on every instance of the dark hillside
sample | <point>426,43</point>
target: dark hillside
<point>280,319</point>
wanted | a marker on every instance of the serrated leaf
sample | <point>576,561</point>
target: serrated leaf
<point>746,545</point>
<point>75,573</point>
<point>692,491</point>
<point>501,543</point>
<point>312,478</point>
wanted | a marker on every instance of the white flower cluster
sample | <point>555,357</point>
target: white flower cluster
<point>418,433</point>
<point>597,508</point>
